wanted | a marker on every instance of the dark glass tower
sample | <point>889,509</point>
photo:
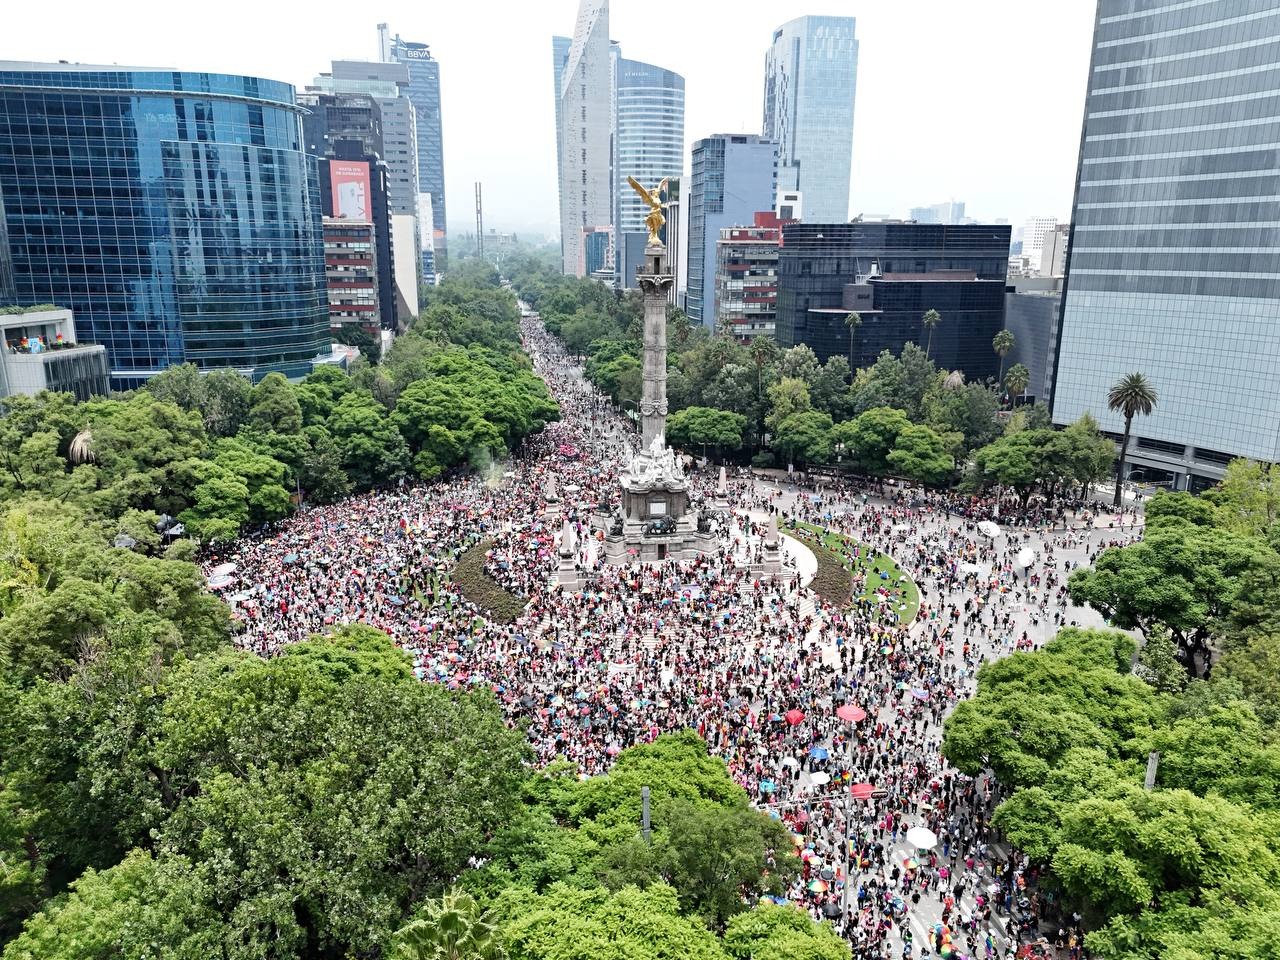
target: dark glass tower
<point>176,213</point>
<point>891,273</point>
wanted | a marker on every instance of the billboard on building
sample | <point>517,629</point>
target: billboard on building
<point>352,194</point>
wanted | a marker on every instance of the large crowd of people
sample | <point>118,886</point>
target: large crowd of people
<point>754,662</point>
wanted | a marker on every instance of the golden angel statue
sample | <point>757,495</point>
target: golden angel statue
<point>655,219</point>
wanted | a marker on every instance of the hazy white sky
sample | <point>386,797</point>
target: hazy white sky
<point>978,101</point>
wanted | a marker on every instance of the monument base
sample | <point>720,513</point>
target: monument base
<point>634,544</point>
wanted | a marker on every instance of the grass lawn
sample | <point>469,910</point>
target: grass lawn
<point>835,564</point>
<point>481,589</point>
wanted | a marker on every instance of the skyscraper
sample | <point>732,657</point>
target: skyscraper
<point>176,213</point>
<point>388,84</point>
<point>1172,260</point>
<point>424,94</point>
<point>648,145</point>
<point>641,107</point>
<point>734,176</point>
<point>584,138</point>
<point>810,76</point>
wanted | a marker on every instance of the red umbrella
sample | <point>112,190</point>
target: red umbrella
<point>794,716</point>
<point>851,714</point>
<point>862,791</point>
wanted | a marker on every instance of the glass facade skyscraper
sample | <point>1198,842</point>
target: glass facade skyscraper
<point>892,273</point>
<point>176,213</point>
<point>614,118</point>
<point>734,176</point>
<point>649,142</point>
<point>424,94</point>
<point>584,134</point>
<point>810,78</point>
<point>1175,241</point>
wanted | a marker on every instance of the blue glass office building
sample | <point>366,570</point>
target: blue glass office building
<point>1174,262</point>
<point>810,80</point>
<point>734,176</point>
<point>176,213</point>
<point>648,145</point>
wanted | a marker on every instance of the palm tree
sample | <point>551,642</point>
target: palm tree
<point>1016,381</point>
<point>81,449</point>
<point>680,326</point>
<point>1131,395</point>
<point>853,321</point>
<point>763,351</point>
<point>451,928</point>
<point>1002,343</point>
<point>931,320</point>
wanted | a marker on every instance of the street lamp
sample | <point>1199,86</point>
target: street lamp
<point>851,717</point>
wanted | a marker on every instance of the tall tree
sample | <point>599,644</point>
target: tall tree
<point>706,427</point>
<point>1016,380</point>
<point>1131,395</point>
<point>451,928</point>
<point>853,321</point>
<point>869,437</point>
<point>274,405</point>
<point>931,320</point>
<point>919,453</point>
<point>1002,343</point>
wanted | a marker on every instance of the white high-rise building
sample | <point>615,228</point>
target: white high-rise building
<point>584,138</point>
<point>641,114</point>
<point>1033,238</point>
<point>1053,253</point>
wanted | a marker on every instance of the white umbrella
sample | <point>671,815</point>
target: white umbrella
<point>922,838</point>
<point>970,568</point>
<point>222,570</point>
<point>989,528</point>
<point>820,779</point>
<point>1026,557</point>
<point>217,583</point>
<point>789,762</point>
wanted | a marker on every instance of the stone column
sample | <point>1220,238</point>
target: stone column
<point>654,282</point>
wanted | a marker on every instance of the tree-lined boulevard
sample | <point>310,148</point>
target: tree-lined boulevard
<point>343,747</point>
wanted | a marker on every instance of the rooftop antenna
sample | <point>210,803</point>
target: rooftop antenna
<point>479,223</point>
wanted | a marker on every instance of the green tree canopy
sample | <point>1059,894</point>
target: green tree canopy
<point>870,437</point>
<point>920,454</point>
<point>706,427</point>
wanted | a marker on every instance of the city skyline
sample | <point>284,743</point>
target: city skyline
<point>501,132</point>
